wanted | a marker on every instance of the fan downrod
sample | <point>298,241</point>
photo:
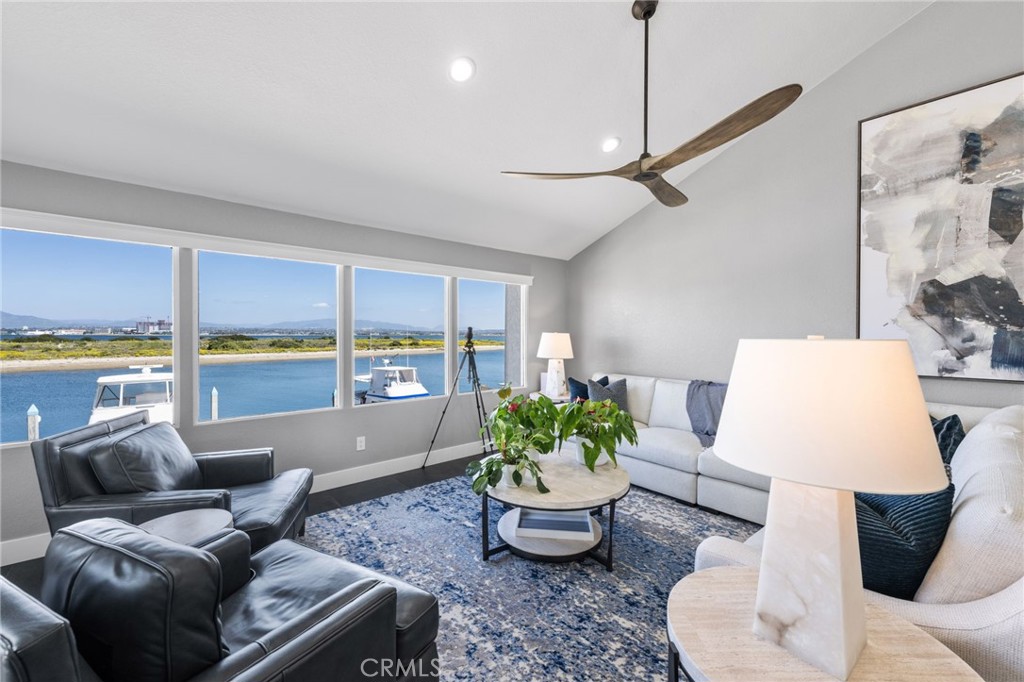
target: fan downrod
<point>644,9</point>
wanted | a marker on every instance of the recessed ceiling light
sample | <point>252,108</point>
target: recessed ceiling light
<point>462,69</point>
<point>610,144</point>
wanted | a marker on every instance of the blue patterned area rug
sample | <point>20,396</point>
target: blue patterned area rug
<point>515,619</point>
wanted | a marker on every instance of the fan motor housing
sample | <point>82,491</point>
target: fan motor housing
<point>644,9</point>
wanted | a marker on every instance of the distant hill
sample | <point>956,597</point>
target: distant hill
<point>13,321</point>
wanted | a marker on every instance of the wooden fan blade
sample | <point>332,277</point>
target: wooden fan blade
<point>555,176</point>
<point>664,192</point>
<point>627,171</point>
<point>741,121</point>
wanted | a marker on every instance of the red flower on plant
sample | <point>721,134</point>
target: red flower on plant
<point>512,407</point>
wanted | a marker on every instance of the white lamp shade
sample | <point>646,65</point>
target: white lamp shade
<point>555,345</point>
<point>839,414</point>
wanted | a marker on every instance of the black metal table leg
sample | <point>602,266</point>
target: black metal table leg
<point>485,530</point>
<point>606,560</point>
<point>675,665</point>
<point>611,532</point>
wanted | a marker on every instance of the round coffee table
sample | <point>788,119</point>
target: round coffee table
<point>573,488</point>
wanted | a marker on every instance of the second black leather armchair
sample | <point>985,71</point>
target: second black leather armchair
<point>144,608</point>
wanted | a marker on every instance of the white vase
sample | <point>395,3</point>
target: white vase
<point>601,459</point>
<point>534,456</point>
<point>506,475</point>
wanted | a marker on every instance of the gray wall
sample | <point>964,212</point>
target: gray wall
<point>323,441</point>
<point>767,246</point>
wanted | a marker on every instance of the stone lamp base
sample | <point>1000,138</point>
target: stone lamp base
<point>810,594</point>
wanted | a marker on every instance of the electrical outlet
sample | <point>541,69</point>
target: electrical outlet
<point>361,443</point>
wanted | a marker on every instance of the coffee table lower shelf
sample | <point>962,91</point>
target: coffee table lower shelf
<point>555,550</point>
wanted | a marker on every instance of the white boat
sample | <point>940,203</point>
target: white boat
<point>122,394</point>
<point>391,382</point>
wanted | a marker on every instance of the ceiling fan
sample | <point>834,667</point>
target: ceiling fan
<point>647,169</point>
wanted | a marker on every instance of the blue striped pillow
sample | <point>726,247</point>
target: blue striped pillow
<point>901,534</point>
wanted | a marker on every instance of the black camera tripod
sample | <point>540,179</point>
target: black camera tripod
<point>468,358</point>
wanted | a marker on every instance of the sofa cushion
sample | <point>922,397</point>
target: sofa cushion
<point>949,433</point>
<point>615,391</point>
<point>970,416</point>
<point>579,391</point>
<point>162,620</point>
<point>639,394</point>
<point>668,408</point>
<point>268,509</point>
<point>290,579</point>
<point>900,535</point>
<point>152,458</point>
<point>985,540</point>
<point>671,448</point>
<point>713,466</point>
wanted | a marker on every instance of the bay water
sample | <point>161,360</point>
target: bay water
<point>64,398</point>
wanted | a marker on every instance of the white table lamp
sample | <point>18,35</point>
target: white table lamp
<point>823,419</point>
<point>556,347</point>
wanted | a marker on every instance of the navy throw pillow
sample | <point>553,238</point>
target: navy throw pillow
<point>901,534</point>
<point>949,432</point>
<point>615,391</point>
<point>579,391</point>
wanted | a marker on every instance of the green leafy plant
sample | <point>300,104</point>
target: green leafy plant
<point>598,426</point>
<point>519,424</point>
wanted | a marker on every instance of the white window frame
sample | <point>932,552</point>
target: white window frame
<point>185,246</point>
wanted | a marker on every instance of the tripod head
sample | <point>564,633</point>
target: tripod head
<point>468,346</point>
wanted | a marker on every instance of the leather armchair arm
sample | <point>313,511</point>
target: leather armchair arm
<point>345,637</point>
<point>135,507</point>
<point>235,467</point>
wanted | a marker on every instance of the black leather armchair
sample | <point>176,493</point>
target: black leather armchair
<point>143,608</point>
<point>36,644</point>
<point>129,469</point>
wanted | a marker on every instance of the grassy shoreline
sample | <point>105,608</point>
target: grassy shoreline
<point>8,366</point>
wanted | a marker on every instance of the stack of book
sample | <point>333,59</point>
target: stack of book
<point>569,525</point>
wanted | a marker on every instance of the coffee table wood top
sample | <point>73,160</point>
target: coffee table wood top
<point>711,617</point>
<point>572,485</point>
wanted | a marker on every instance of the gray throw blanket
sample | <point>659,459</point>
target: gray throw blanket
<point>704,401</point>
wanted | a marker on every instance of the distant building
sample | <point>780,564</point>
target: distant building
<point>151,327</point>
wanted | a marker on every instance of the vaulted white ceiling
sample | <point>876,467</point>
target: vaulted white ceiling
<point>345,110</point>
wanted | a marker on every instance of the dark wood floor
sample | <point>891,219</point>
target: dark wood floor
<point>28,574</point>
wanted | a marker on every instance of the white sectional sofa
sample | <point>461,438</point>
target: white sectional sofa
<point>668,457</point>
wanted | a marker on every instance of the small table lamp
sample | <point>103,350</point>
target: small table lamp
<point>556,347</point>
<point>823,419</point>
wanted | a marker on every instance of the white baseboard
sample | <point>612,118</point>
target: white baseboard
<point>34,546</point>
<point>23,549</point>
<point>336,479</point>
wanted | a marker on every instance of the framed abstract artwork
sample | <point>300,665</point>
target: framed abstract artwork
<point>941,254</point>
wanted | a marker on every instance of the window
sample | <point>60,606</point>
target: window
<point>82,321</point>
<point>398,336</point>
<point>492,310</point>
<point>268,335</point>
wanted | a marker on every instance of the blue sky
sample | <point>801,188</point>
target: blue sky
<point>249,290</point>
<point>418,300</point>
<point>61,277</point>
